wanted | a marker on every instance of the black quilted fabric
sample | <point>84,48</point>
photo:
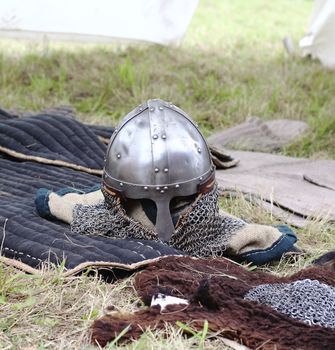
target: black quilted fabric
<point>26,236</point>
<point>5,115</point>
<point>54,138</point>
<point>101,131</point>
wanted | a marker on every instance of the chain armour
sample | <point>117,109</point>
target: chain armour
<point>306,300</point>
<point>201,231</point>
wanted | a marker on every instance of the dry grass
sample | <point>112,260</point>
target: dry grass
<point>317,238</point>
<point>53,312</point>
<point>229,67</point>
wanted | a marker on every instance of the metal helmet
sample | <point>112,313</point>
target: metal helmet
<point>157,152</point>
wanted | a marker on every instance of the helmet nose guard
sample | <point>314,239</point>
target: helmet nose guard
<point>157,152</point>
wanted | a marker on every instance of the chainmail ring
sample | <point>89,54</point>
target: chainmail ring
<point>201,231</point>
<point>306,300</point>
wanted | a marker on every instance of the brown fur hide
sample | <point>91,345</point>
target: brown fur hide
<point>215,288</point>
<point>327,259</point>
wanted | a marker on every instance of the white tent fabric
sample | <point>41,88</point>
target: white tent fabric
<point>319,42</point>
<point>159,21</point>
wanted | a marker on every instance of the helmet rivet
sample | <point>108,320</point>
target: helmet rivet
<point>158,188</point>
<point>141,109</point>
<point>165,187</point>
<point>118,155</point>
<point>121,184</point>
<point>146,188</point>
<point>152,109</point>
<point>155,137</point>
<point>162,191</point>
<point>115,131</point>
<point>200,178</point>
<point>163,136</point>
<point>160,108</point>
<point>166,170</point>
<point>156,170</point>
<point>199,150</point>
<point>177,186</point>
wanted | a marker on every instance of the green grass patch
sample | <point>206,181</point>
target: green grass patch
<point>231,65</point>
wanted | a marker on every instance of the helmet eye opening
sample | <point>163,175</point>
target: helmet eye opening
<point>150,209</point>
<point>177,206</point>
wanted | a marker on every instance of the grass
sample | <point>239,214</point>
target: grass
<point>231,65</point>
<point>54,312</point>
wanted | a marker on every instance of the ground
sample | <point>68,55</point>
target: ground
<point>231,65</point>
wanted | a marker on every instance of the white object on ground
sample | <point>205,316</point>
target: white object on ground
<point>164,300</point>
<point>319,41</point>
<point>159,21</point>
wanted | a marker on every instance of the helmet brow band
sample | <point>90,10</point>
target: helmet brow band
<point>112,192</point>
<point>208,185</point>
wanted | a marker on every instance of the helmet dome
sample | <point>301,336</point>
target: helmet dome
<point>157,152</point>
